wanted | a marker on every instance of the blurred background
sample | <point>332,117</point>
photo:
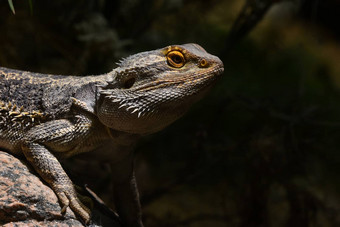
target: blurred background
<point>262,149</point>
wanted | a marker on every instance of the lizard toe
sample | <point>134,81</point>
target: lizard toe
<point>68,198</point>
<point>79,209</point>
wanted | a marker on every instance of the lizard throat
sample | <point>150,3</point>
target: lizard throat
<point>152,107</point>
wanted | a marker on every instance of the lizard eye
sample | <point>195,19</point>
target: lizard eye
<point>175,59</point>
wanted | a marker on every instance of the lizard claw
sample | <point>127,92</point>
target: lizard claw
<point>63,210</point>
<point>70,199</point>
<point>64,201</point>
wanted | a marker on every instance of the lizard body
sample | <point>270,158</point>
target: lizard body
<point>48,117</point>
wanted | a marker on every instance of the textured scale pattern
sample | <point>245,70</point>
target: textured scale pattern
<point>48,117</point>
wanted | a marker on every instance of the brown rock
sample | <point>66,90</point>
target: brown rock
<point>26,200</point>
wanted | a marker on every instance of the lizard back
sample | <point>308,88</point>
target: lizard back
<point>28,99</point>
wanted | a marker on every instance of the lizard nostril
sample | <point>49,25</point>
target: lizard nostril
<point>203,63</point>
<point>129,83</point>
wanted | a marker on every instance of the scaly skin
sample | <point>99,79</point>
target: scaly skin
<point>48,117</point>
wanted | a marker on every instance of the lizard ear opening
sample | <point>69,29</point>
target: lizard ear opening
<point>129,82</point>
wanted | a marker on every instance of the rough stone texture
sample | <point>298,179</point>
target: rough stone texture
<point>34,223</point>
<point>25,200</point>
<point>24,197</point>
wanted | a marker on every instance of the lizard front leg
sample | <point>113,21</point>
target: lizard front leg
<point>57,136</point>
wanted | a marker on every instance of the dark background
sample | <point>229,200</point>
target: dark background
<point>262,149</point>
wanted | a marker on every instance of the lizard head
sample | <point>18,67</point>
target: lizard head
<point>150,90</point>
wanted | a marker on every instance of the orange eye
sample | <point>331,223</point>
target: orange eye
<point>175,59</point>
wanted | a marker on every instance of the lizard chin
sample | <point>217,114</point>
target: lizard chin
<point>133,121</point>
<point>147,113</point>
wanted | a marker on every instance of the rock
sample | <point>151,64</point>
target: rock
<point>26,200</point>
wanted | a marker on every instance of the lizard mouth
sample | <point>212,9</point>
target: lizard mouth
<point>150,98</point>
<point>196,79</point>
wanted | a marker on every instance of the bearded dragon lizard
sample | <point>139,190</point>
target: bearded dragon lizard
<point>49,117</point>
